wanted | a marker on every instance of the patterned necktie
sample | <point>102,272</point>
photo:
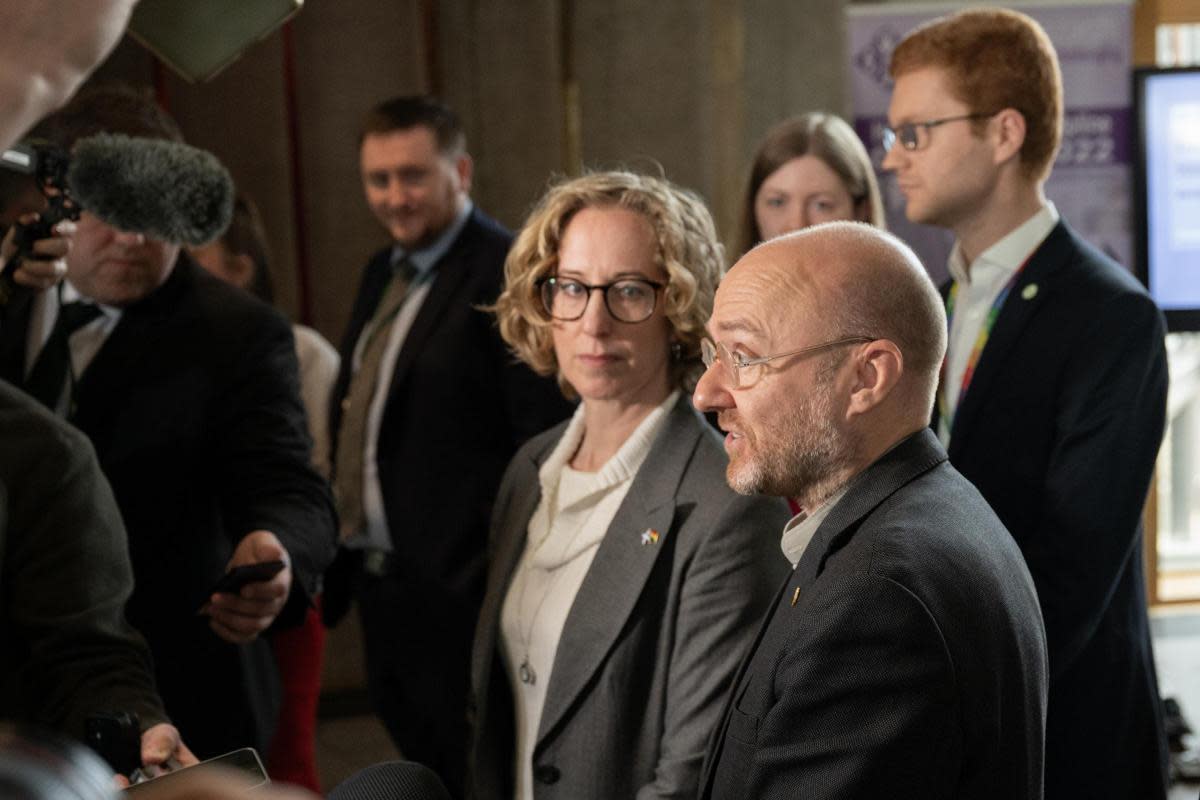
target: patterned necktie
<point>348,466</point>
<point>53,365</point>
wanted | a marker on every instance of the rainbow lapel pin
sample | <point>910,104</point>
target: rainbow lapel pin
<point>649,536</point>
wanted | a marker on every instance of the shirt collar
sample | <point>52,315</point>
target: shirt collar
<point>1010,252</point>
<point>67,293</point>
<point>622,465</point>
<point>801,529</point>
<point>425,258</point>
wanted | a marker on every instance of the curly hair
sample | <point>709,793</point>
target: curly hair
<point>688,249</point>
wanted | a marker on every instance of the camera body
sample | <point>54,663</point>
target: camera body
<point>48,164</point>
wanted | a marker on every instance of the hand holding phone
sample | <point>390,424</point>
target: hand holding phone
<point>251,597</point>
<point>233,580</point>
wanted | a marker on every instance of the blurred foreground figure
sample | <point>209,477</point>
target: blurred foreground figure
<point>46,52</point>
<point>64,579</point>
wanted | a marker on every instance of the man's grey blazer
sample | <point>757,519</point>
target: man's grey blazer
<point>905,656</point>
<point>651,643</point>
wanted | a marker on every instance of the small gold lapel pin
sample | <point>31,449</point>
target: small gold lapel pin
<point>649,536</point>
<point>795,596</point>
<point>1030,291</point>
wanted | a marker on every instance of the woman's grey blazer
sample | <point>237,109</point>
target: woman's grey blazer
<point>656,632</point>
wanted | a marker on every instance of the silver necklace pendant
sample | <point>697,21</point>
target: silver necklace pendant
<point>525,673</point>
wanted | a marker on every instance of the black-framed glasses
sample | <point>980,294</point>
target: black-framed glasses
<point>627,299</point>
<point>915,135</point>
<point>732,364</point>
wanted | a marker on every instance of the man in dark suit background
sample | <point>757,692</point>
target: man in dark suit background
<point>1053,396</point>
<point>188,391</point>
<point>905,655</point>
<point>428,409</point>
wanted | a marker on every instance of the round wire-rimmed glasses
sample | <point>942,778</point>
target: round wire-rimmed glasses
<point>732,364</point>
<point>627,299</point>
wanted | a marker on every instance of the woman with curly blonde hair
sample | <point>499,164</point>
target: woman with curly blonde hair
<point>626,577</point>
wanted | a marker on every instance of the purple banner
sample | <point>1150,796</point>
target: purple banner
<point>1096,137</point>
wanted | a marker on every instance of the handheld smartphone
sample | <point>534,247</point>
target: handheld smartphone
<point>242,766</point>
<point>233,580</point>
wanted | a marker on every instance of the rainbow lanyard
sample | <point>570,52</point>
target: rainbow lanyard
<point>985,332</point>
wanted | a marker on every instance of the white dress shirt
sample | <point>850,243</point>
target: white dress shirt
<point>979,284</point>
<point>376,535</point>
<point>83,343</point>
<point>801,529</point>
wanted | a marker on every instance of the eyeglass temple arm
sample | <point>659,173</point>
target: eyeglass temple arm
<point>750,362</point>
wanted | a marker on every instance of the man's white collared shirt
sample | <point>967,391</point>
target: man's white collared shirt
<point>979,284</point>
<point>800,529</point>
<point>83,343</point>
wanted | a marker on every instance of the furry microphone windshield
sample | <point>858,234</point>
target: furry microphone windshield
<point>170,191</point>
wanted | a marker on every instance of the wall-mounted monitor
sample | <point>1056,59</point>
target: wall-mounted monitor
<point>1167,186</point>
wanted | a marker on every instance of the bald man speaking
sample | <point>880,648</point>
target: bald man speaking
<point>905,656</point>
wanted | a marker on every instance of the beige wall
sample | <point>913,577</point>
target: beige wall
<point>543,85</point>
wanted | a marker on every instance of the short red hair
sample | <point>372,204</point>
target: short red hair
<point>995,59</point>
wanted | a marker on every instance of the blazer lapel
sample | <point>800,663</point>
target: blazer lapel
<point>514,519</point>
<point>621,567</point>
<point>935,415</point>
<point>906,461</point>
<point>449,274</point>
<point>910,458</point>
<point>375,279</point>
<point>1022,302</point>
<point>122,356</point>
<point>737,688</point>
